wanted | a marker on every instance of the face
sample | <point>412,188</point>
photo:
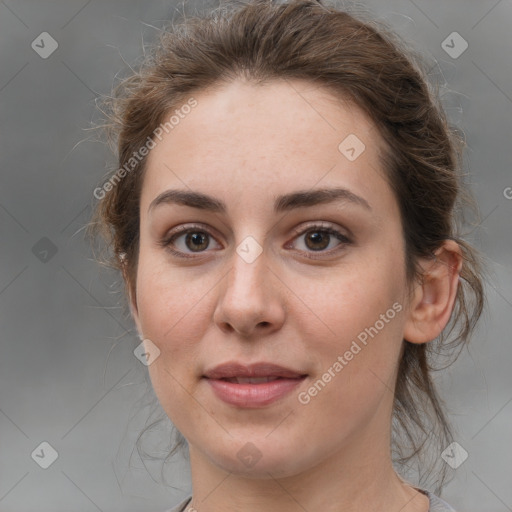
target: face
<point>271,271</point>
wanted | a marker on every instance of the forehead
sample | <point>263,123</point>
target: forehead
<point>243,140</point>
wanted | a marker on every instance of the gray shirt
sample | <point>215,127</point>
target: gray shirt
<point>436,504</point>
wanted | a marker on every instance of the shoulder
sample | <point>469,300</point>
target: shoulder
<point>437,504</point>
<point>180,507</point>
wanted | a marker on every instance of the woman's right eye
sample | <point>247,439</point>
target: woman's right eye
<point>193,239</point>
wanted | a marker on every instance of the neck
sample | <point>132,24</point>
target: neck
<point>350,480</point>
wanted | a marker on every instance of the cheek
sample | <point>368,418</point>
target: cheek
<point>354,297</point>
<point>170,312</point>
<point>361,315</point>
<point>355,367</point>
<point>165,296</point>
<point>171,309</point>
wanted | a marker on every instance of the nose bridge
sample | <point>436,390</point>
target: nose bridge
<point>247,298</point>
<point>248,263</point>
<point>246,278</point>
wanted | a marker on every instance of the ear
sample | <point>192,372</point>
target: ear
<point>434,296</point>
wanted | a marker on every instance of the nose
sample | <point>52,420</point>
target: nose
<point>251,299</point>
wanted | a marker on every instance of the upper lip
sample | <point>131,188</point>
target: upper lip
<point>263,369</point>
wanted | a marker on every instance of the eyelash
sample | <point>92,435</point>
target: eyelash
<point>319,227</point>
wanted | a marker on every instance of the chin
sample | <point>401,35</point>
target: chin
<point>260,458</point>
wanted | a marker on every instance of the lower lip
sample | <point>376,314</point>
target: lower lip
<point>253,395</point>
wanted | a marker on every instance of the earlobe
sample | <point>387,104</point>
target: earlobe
<point>434,296</point>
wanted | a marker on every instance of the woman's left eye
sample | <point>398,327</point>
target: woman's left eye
<point>317,238</point>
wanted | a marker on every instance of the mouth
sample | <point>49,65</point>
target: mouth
<point>252,386</point>
<point>261,370</point>
<point>250,380</point>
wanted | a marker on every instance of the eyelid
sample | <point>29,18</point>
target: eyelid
<point>183,228</point>
<point>321,225</point>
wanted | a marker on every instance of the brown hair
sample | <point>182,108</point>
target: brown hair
<point>356,60</point>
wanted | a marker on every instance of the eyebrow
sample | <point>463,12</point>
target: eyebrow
<point>283,203</point>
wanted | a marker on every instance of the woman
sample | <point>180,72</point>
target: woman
<point>283,216</point>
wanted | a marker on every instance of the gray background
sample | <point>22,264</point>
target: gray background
<point>68,375</point>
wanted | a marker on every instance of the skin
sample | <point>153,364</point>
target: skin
<point>244,144</point>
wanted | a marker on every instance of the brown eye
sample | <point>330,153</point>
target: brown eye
<point>186,241</point>
<point>317,240</point>
<point>197,241</point>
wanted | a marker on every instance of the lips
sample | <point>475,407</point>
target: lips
<point>252,386</point>
<point>264,370</point>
